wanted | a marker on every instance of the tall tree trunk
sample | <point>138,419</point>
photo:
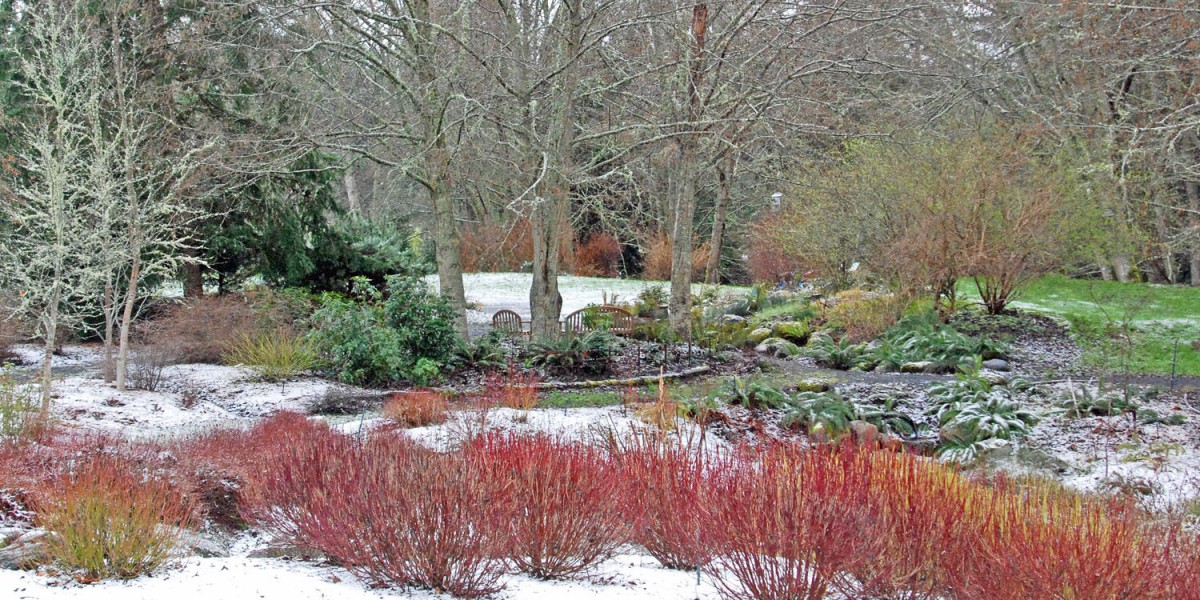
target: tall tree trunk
<point>683,211</point>
<point>127,321</point>
<point>193,280</point>
<point>351,186</point>
<point>550,212</point>
<point>448,251</point>
<point>683,215</point>
<point>1193,193</point>
<point>545,301</point>
<point>712,272</point>
<point>109,318</point>
<point>51,327</point>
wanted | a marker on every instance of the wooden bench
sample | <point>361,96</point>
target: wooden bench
<point>613,318</point>
<point>509,322</point>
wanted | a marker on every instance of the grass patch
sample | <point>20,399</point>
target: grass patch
<point>1120,325</point>
<point>579,399</point>
<point>796,310</point>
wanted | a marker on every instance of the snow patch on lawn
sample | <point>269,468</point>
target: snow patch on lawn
<point>495,291</point>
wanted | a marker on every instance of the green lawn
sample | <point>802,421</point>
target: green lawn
<point>1157,318</point>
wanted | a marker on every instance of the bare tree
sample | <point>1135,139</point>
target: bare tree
<point>51,243</point>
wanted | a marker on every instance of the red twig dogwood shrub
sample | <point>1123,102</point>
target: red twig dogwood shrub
<point>392,513</point>
<point>792,523</point>
<point>1047,543</point>
<point>110,520</point>
<point>924,513</point>
<point>417,408</point>
<point>218,466</point>
<point>671,481</point>
<point>572,507</point>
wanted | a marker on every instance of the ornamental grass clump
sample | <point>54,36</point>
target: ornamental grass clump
<point>417,408</point>
<point>276,356</point>
<point>107,520</point>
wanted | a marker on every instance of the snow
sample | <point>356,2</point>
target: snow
<point>625,576</point>
<point>494,291</point>
<point>191,398</point>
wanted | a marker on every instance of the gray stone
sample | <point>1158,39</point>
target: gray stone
<point>916,367</point>
<point>731,319</point>
<point>27,551</point>
<point>813,385</point>
<point>996,364</point>
<point>993,377</point>
<point>204,545</point>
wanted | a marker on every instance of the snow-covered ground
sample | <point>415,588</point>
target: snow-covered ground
<point>241,577</point>
<point>494,291</point>
<point>190,399</point>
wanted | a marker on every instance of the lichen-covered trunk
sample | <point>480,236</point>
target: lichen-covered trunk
<point>448,253</point>
<point>109,326</point>
<point>51,328</point>
<point>127,322</point>
<point>683,214</point>
<point>712,271</point>
<point>1193,193</point>
<point>545,301</point>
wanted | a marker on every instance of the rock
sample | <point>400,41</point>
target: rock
<point>996,364</point>
<point>865,434</point>
<point>731,319</point>
<point>28,550</point>
<point>207,546</point>
<point>758,335</point>
<point>923,446</point>
<point>813,385</point>
<point>285,551</point>
<point>916,367</point>
<point>796,332</point>
<point>779,348</point>
<point>993,377</point>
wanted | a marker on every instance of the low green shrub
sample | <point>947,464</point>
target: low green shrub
<point>590,353</point>
<point>754,394</point>
<point>840,354</point>
<point>18,405</point>
<point>971,410</point>
<point>373,340</point>
<point>922,338</point>
<point>828,411</point>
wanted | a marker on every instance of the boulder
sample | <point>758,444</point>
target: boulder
<point>26,551</point>
<point>777,347</point>
<point>922,366</point>
<point>813,385</point>
<point>997,364</point>
<point>731,319</point>
<point>993,377</point>
<point>865,434</point>
<point>758,335</point>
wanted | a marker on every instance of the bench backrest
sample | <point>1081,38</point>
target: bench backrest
<point>508,321</point>
<point>620,321</point>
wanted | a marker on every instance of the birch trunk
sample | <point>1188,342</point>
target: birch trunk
<point>109,326</point>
